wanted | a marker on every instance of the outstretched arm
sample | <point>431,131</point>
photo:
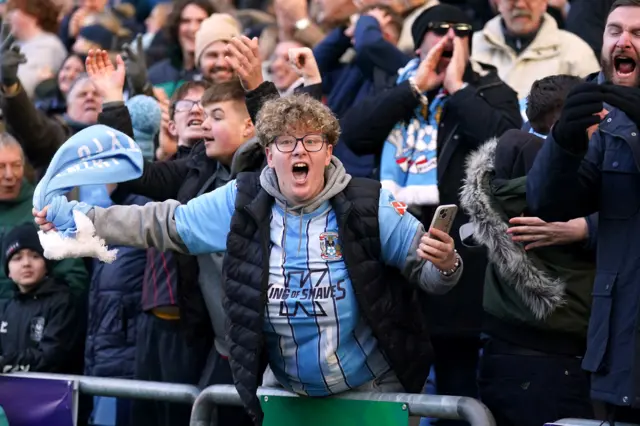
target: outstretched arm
<point>200,226</point>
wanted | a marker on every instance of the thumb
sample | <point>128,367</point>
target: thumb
<point>119,63</point>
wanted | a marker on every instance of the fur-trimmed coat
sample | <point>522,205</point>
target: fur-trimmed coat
<point>541,298</point>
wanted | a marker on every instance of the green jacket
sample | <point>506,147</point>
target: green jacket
<point>547,289</point>
<point>17,212</point>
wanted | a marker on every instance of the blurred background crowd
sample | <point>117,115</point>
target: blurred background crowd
<point>152,315</point>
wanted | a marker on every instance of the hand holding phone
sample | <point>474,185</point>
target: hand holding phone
<point>443,218</point>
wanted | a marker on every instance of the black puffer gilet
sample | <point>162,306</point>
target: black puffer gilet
<point>390,305</point>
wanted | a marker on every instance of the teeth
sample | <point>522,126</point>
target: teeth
<point>195,123</point>
<point>299,165</point>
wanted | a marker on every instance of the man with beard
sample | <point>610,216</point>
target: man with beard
<point>211,41</point>
<point>574,176</point>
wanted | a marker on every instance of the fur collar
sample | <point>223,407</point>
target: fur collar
<point>541,293</point>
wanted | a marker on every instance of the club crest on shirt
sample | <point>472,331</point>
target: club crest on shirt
<point>330,247</point>
<point>399,206</point>
<point>37,328</point>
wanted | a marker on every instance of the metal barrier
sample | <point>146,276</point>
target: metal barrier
<point>205,401</point>
<point>124,388</point>
<point>444,407</point>
<point>584,422</point>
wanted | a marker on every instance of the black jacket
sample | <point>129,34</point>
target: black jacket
<point>182,179</point>
<point>389,304</point>
<point>42,331</point>
<point>483,110</point>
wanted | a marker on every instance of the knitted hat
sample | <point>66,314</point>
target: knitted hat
<point>145,117</point>
<point>21,237</point>
<point>217,27</point>
<point>99,35</point>
<point>439,13</point>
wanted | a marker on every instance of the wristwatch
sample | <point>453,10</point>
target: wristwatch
<point>302,24</point>
<point>416,92</point>
<point>455,268</point>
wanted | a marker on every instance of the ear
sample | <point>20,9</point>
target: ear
<point>248,130</point>
<point>268,152</point>
<point>171,126</point>
<point>329,155</point>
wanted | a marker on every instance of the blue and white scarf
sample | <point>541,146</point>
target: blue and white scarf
<point>96,155</point>
<point>409,162</point>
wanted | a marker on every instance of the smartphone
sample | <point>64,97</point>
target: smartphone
<point>443,217</point>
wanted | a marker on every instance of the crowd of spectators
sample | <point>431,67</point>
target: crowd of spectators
<point>421,103</point>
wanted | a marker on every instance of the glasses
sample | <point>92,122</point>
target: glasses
<point>311,143</point>
<point>185,105</point>
<point>442,28</point>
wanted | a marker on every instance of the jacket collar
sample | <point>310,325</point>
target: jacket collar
<point>545,45</point>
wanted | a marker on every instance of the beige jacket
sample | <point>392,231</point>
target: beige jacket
<point>553,51</point>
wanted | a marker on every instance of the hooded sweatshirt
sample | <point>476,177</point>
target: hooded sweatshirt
<point>312,320</point>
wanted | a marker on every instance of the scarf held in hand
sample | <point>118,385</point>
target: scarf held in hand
<point>96,155</point>
<point>408,165</point>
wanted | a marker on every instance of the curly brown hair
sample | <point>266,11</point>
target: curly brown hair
<point>295,112</point>
<point>46,12</point>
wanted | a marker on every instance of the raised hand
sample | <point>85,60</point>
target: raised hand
<point>453,77</point>
<point>581,110</point>
<point>304,63</point>
<point>136,67</point>
<point>428,77</point>
<point>10,58</point>
<point>243,56</point>
<point>108,80</point>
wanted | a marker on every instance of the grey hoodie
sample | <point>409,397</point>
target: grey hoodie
<point>153,225</point>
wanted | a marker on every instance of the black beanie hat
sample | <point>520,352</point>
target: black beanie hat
<point>21,237</point>
<point>439,13</point>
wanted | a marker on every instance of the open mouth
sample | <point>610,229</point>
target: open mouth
<point>194,123</point>
<point>447,53</point>
<point>300,172</point>
<point>624,65</point>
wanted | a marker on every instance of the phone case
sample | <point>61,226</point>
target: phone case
<point>443,218</point>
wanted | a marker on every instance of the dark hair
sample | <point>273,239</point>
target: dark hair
<point>45,11</point>
<point>546,99</point>
<point>172,27</point>
<point>623,3</point>
<point>181,93</point>
<point>396,19</point>
<point>222,92</point>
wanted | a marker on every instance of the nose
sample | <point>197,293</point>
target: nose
<point>7,173</point>
<point>624,41</point>
<point>206,124</point>
<point>299,150</point>
<point>194,26</point>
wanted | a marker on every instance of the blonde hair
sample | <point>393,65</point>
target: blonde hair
<point>297,111</point>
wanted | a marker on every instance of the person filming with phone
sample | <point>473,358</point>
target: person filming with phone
<point>314,262</point>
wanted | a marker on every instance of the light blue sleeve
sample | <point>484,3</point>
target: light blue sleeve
<point>203,223</point>
<point>397,229</point>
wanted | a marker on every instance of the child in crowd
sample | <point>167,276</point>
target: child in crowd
<point>41,328</point>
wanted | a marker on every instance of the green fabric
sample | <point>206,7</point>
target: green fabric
<point>288,411</point>
<point>17,212</point>
<point>572,264</point>
<point>3,418</point>
<point>169,87</point>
